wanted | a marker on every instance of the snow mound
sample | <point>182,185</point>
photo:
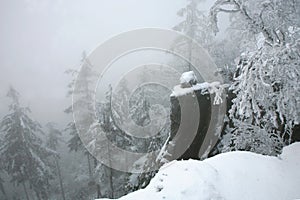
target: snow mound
<point>231,176</point>
<point>188,79</point>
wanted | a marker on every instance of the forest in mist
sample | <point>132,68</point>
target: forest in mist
<point>48,76</point>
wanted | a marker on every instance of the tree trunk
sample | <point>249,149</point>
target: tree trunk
<point>97,184</point>
<point>60,179</point>
<point>110,175</point>
<point>3,191</point>
<point>38,196</point>
<point>89,165</point>
<point>27,197</point>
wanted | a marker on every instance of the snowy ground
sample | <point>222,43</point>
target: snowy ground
<point>234,175</point>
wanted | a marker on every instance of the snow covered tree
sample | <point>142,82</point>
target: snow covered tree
<point>83,81</point>
<point>139,108</point>
<point>74,143</point>
<point>196,25</point>
<point>148,165</point>
<point>53,140</point>
<point>121,99</point>
<point>2,188</point>
<point>270,18</point>
<point>1,172</point>
<point>111,114</point>
<point>105,173</point>
<point>110,121</point>
<point>23,155</point>
<point>267,89</point>
<point>266,84</point>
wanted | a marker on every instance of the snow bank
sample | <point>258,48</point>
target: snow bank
<point>234,175</point>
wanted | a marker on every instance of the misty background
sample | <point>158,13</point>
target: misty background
<point>258,59</point>
<point>40,40</point>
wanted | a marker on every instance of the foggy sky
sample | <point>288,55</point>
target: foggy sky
<point>40,39</point>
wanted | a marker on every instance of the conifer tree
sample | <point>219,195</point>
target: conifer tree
<point>22,154</point>
<point>83,81</point>
<point>196,25</point>
<point>53,140</point>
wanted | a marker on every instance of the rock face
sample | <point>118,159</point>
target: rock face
<point>187,135</point>
<point>197,118</point>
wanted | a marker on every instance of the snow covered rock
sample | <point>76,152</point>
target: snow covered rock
<point>215,88</point>
<point>188,79</point>
<point>231,176</point>
<point>188,85</point>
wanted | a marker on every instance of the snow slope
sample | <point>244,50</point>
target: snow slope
<point>234,175</point>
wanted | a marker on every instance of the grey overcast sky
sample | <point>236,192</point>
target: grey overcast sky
<point>40,39</point>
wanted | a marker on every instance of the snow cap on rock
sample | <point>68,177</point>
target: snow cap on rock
<point>188,79</point>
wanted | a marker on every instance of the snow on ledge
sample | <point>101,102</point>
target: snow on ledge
<point>188,78</point>
<point>231,176</point>
<point>206,88</point>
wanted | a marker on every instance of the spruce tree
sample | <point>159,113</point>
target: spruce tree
<point>82,81</point>
<point>195,24</point>
<point>139,108</point>
<point>22,154</point>
<point>2,188</point>
<point>53,140</point>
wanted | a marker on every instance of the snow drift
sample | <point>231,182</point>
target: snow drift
<point>234,175</point>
